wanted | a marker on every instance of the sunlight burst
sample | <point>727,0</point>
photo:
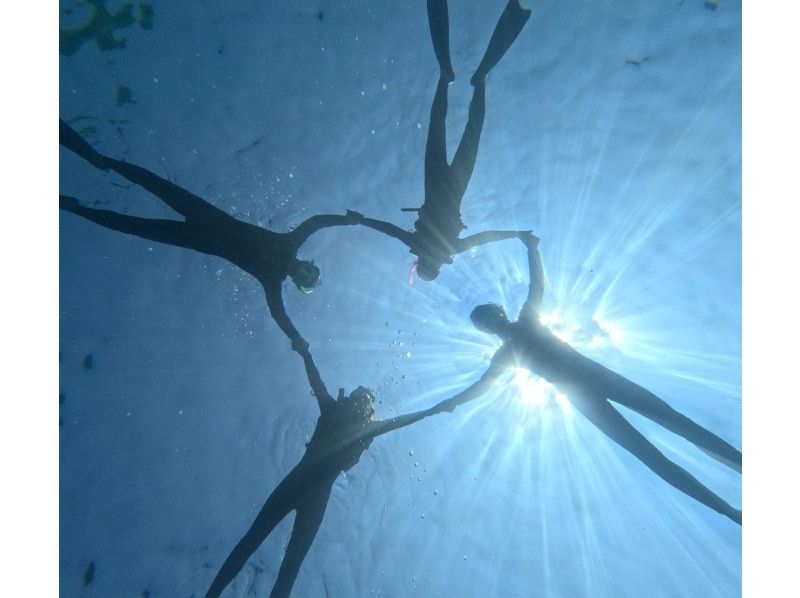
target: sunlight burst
<point>581,331</point>
<point>531,391</point>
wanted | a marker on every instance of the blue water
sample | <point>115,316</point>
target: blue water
<point>612,131</point>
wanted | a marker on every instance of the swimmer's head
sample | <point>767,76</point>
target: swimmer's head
<point>305,275</point>
<point>490,318</point>
<point>360,403</point>
<point>427,269</point>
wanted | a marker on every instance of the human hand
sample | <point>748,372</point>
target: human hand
<point>300,344</point>
<point>529,238</point>
<point>449,405</point>
<point>354,217</point>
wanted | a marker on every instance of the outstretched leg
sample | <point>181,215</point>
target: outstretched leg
<point>190,206</point>
<point>623,391</point>
<point>170,232</point>
<point>71,139</point>
<point>195,209</point>
<point>306,524</point>
<point>439,24</point>
<point>464,159</point>
<point>278,505</point>
<point>436,168</point>
<point>505,32</point>
<point>602,414</point>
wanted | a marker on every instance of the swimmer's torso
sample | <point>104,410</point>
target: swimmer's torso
<point>337,443</point>
<point>261,252</point>
<point>536,348</point>
<point>437,230</point>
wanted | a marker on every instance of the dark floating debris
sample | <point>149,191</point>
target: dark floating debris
<point>638,62</point>
<point>88,362</point>
<point>712,4</point>
<point>61,398</point>
<point>88,576</point>
<point>124,95</point>
<point>146,16</point>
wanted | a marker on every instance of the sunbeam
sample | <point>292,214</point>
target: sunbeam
<point>609,130</point>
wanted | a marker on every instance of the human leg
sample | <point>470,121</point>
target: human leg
<point>603,415</point>
<point>467,151</point>
<point>71,139</point>
<point>170,232</point>
<point>195,209</point>
<point>436,168</point>
<point>278,505</point>
<point>190,206</point>
<point>310,513</point>
<point>505,32</point>
<point>439,24</point>
<point>623,391</point>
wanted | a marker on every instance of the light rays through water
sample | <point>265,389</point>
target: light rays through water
<point>620,239</point>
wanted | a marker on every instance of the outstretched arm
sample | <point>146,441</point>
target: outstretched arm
<point>387,228</point>
<point>311,225</point>
<point>471,392</point>
<point>401,421</point>
<point>272,290</point>
<point>324,399</point>
<point>496,368</point>
<point>530,308</point>
<point>486,237</point>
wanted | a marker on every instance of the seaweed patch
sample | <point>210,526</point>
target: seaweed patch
<point>102,25</point>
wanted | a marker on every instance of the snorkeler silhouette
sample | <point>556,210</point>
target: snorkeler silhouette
<point>343,432</point>
<point>589,387</point>
<point>267,255</point>
<point>435,239</point>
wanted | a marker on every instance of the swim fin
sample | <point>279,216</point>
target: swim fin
<point>505,32</point>
<point>439,23</point>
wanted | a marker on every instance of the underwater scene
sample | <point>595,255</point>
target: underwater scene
<point>371,298</point>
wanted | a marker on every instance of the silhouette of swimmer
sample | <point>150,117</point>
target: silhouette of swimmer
<point>435,239</point>
<point>344,430</point>
<point>267,255</point>
<point>589,387</point>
